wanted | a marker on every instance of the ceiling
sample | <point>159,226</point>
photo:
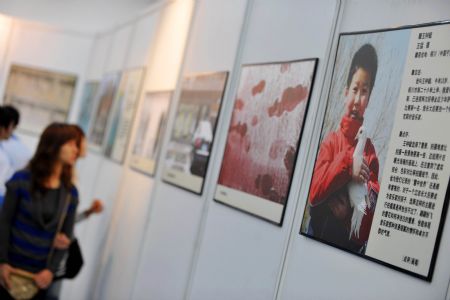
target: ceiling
<point>89,16</point>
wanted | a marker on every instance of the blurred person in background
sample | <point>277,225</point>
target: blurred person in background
<point>18,153</point>
<point>6,164</point>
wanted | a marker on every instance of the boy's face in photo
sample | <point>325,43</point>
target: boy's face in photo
<point>357,94</point>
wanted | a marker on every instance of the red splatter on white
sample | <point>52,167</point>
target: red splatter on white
<point>240,129</point>
<point>254,120</point>
<point>290,99</point>
<point>284,68</point>
<point>259,88</point>
<point>276,149</point>
<point>239,105</point>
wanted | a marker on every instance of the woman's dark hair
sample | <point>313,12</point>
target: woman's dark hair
<point>365,58</point>
<point>47,153</point>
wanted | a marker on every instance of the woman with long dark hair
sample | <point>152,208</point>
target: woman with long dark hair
<point>38,198</point>
<point>64,242</point>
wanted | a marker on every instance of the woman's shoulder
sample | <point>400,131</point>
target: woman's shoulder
<point>20,180</point>
<point>21,175</point>
<point>74,193</point>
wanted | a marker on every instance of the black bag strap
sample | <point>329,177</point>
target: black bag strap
<point>59,227</point>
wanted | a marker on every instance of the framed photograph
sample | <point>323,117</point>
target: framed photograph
<point>123,114</point>
<point>87,105</point>
<point>264,136</point>
<point>104,100</point>
<point>192,136</point>
<point>41,96</point>
<point>152,124</point>
<point>379,187</point>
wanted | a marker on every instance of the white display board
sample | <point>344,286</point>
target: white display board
<point>192,136</point>
<point>240,256</point>
<point>309,263</point>
<point>418,141</point>
<point>176,215</point>
<point>91,233</point>
<point>269,111</point>
<point>152,123</point>
<point>127,97</point>
<point>121,255</point>
<point>155,241</point>
<point>108,55</point>
<point>380,178</point>
<point>105,277</point>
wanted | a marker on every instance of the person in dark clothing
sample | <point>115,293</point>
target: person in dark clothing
<point>62,241</point>
<point>18,153</point>
<point>6,166</point>
<point>35,200</point>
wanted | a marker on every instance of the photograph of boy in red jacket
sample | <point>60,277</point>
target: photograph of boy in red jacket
<point>330,208</point>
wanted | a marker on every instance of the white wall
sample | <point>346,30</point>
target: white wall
<point>156,241</point>
<point>99,56</point>
<point>168,47</point>
<point>111,243</point>
<point>173,244</point>
<point>164,266</point>
<point>143,40</point>
<point>87,16</point>
<point>176,214</point>
<point>111,53</point>
<point>316,271</point>
<point>119,48</point>
<point>120,255</point>
<point>93,183</point>
<point>5,34</point>
<point>43,47</point>
<point>40,46</point>
<point>241,256</point>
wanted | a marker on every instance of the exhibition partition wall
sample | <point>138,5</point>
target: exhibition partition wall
<point>106,176</point>
<point>52,49</point>
<point>227,266</point>
<point>164,31</point>
<point>5,33</point>
<point>47,50</point>
<point>157,241</point>
<point>176,244</point>
<point>310,263</point>
<point>239,256</point>
<point>176,214</point>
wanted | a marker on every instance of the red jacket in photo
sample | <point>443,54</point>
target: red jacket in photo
<point>332,172</point>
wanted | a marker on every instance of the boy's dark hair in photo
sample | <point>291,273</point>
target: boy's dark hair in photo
<point>366,59</point>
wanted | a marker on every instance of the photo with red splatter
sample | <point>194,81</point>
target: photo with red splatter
<point>265,129</point>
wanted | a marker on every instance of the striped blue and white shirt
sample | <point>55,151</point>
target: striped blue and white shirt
<point>28,223</point>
